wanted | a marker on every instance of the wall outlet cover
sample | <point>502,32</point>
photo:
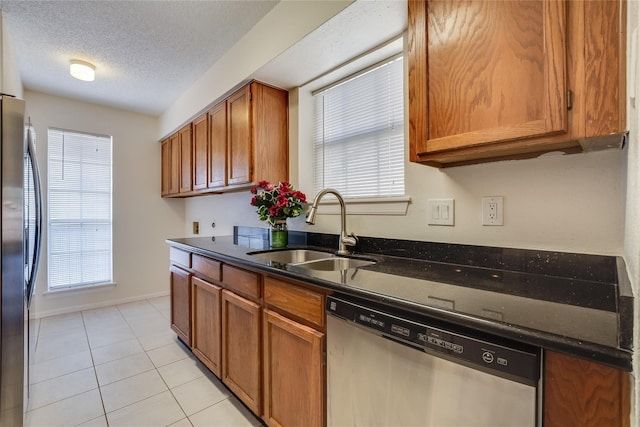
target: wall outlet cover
<point>492,210</point>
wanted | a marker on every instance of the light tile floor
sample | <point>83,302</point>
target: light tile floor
<point>122,366</point>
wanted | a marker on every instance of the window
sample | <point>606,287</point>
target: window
<point>79,205</point>
<point>358,141</point>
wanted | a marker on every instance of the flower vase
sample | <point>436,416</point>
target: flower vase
<point>279,234</point>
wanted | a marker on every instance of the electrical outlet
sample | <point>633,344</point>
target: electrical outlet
<point>440,211</point>
<point>492,210</point>
<point>196,227</point>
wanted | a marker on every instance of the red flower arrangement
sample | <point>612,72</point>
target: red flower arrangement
<point>275,203</point>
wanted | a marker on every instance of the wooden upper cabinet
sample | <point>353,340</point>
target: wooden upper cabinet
<point>602,76</point>
<point>496,72</point>
<point>239,136</point>
<point>248,137</point>
<point>217,164</point>
<point>491,80</point>
<point>166,168</point>
<point>257,135</point>
<point>200,147</point>
<point>186,179</point>
<point>174,162</point>
<point>241,140</point>
<point>270,133</point>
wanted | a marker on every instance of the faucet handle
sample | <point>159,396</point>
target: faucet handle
<point>350,239</point>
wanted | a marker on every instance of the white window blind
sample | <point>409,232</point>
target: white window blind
<point>359,133</point>
<point>79,208</point>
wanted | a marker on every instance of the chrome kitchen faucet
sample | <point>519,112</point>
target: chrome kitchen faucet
<point>345,239</point>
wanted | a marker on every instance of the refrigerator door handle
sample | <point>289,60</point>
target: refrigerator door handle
<point>37,247</point>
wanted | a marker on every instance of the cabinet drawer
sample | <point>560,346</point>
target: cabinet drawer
<point>244,282</point>
<point>178,256</point>
<point>298,301</point>
<point>207,267</point>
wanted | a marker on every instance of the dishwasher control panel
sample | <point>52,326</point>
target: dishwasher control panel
<point>499,356</point>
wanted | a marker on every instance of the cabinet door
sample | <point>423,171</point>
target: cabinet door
<point>200,150</point>
<point>166,168</point>
<point>218,146</point>
<point>239,136</point>
<point>485,72</point>
<point>270,133</point>
<point>582,393</point>
<point>174,161</point>
<point>241,355</point>
<point>181,303</point>
<point>294,374</point>
<point>205,336</point>
<point>185,159</point>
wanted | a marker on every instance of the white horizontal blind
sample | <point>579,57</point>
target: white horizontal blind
<point>79,208</point>
<point>359,133</point>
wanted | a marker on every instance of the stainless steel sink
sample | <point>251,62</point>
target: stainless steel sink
<point>336,263</point>
<point>312,260</point>
<point>292,256</point>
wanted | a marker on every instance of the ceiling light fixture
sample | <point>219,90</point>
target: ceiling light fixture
<point>82,70</point>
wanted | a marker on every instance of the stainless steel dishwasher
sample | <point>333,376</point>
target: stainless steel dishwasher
<point>392,368</point>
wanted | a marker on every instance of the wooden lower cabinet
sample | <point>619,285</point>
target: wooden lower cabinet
<point>206,324</point>
<point>241,350</point>
<point>181,303</point>
<point>268,347</point>
<point>580,393</point>
<point>294,373</point>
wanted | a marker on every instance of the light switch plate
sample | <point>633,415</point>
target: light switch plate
<point>440,211</point>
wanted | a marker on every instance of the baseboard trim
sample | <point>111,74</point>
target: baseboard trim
<point>76,308</point>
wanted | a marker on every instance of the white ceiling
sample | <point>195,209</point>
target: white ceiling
<point>364,25</point>
<point>147,53</point>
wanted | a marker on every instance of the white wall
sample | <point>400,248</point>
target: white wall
<point>287,23</point>
<point>10,81</point>
<point>632,212</point>
<point>569,203</point>
<point>142,220</point>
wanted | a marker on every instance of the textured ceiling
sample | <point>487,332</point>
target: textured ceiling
<point>146,53</point>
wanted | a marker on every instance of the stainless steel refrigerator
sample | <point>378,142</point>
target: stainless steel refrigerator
<point>20,253</point>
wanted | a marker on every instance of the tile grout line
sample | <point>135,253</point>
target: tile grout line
<point>58,401</point>
<point>84,318</point>
<point>93,362</point>
<point>187,417</point>
<point>176,399</point>
<point>121,358</point>
<point>56,377</point>
<point>146,352</point>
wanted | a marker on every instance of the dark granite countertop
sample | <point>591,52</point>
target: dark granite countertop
<point>572,303</point>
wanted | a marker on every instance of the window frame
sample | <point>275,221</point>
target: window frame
<point>303,150</point>
<point>108,278</point>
